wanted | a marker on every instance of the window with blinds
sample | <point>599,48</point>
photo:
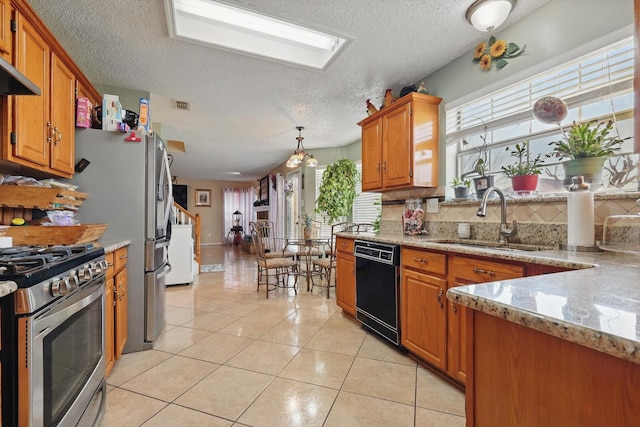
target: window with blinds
<point>596,86</point>
<point>366,206</point>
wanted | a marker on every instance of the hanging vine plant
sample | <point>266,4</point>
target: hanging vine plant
<point>337,190</point>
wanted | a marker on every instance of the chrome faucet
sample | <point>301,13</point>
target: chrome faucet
<point>505,232</point>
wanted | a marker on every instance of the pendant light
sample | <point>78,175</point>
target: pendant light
<point>299,155</point>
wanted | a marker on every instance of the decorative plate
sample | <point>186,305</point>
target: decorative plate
<point>550,110</point>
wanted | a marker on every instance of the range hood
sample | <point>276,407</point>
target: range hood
<point>13,82</point>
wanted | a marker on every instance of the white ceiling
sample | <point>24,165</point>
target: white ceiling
<point>244,110</point>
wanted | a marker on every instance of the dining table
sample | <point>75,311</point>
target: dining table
<point>306,249</point>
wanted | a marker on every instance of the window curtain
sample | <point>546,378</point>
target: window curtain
<point>237,199</point>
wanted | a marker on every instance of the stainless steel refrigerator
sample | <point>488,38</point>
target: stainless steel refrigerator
<point>129,186</point>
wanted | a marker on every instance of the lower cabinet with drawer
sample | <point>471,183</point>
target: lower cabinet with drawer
<point>116,302</point>
<point>433,329</point>
<point>423,305</point>
<point>466,270</point>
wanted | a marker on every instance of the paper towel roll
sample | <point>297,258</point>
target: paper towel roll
<point>580,219</point>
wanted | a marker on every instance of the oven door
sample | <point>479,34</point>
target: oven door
<point>63,374</point>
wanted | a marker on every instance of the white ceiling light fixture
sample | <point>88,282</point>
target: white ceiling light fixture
<point>298,156</point>
<point>230,27</point>
<point>487,15</point>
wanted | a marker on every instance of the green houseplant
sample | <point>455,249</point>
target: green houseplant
<point>337,190</point>
<point>586,145</point>
<point>307,225</point>
<point>461,187</point>
<point>524,172</point>
<point>480,172</point>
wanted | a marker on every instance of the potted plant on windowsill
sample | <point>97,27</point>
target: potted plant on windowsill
<point>483,180</point>
<point>524,173</point>
<point>461,187</point>
<point>586,145</point>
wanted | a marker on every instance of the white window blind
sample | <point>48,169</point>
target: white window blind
<point>596,86</point>
<point>366,206</point>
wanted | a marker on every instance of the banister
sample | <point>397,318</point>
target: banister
<point>183,216</point>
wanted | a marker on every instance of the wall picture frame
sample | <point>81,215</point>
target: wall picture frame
<point>203,197</point>
<point>264,190</point>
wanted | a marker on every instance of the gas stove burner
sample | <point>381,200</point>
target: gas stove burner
<point>15,265</point>
<point>20,251</point>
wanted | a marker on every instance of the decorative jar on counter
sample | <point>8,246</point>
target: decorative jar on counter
<point>413,217</point>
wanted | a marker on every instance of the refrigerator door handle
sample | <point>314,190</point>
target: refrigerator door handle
<point>165,270</point>
<point>169,206</point>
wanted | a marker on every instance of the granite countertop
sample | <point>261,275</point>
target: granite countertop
<point>7,287</point>
<point>596,305</point>
<point>110,246</point>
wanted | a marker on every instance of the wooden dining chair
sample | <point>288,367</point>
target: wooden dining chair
<point>280,268</point>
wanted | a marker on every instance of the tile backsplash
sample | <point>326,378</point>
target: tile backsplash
<point>541,220</point>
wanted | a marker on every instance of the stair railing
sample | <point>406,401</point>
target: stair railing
<point>183,216</point>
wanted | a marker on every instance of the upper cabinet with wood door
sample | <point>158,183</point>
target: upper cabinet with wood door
<point>39,139</point>
<point>5,30</point>
<point>400,144</point>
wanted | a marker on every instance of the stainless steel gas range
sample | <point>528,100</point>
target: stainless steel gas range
<point>52,349</point>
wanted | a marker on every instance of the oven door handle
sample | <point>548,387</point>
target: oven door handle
<point>50,319</point>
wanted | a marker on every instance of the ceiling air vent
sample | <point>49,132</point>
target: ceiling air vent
<point>180,105</point>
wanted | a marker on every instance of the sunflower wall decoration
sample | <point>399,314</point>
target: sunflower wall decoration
<point>496,51</point>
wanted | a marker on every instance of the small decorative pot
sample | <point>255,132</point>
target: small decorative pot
<point>461,192</point>
<point>588,167</point>
<point>481,183</point>
<point>524,183</point>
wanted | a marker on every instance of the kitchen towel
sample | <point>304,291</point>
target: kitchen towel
<point>580,213</point>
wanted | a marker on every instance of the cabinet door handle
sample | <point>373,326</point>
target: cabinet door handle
<point>421,260</point>
<point>124,256</point>
<point>49,138</point>
<point>481,271</point>
<point>440,298</point>
<point>454,307</point>
<point>384,166</point>
<point>378,167</point>
<point>59,136</point>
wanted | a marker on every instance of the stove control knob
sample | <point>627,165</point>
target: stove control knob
<point>96,268</point>
<point>85,273</point>
<point>104,264</point>
<point>60,287</point>
<point>74,282</point>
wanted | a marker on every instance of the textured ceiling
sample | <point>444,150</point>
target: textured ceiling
<point>244,110</point>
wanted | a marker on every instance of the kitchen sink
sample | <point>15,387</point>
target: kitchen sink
<point>515,247</point>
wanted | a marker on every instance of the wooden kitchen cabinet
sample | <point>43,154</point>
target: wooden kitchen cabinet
<point>400,144</point>
<point>116,306</point>
<point>523,377</point>
<point>5,30</point>
<point>38,132</point>
<point>423,305</point>
<point>466,270</point>
<point>345,276</point>
<point>44,126</point>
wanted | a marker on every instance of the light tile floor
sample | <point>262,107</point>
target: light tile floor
<point>230,357</point>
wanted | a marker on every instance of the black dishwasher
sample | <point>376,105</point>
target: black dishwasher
<point>377,287</point>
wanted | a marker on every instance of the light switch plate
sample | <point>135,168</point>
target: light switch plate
<point>432,205</point>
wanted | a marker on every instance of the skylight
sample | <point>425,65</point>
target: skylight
<point>228,27</point>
